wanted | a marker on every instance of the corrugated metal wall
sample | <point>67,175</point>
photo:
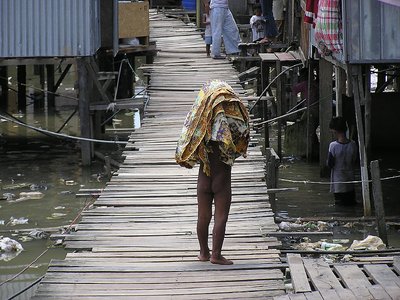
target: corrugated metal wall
<point>372,31</point>
<point>49,28</point>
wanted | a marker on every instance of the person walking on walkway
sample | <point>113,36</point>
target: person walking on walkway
<point>223,25</point>
<point>215,133</point>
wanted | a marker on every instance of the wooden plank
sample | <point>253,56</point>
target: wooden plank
<point>298,273</point>
<point>313,296</point>
<point>352,276</point>
<point>384,276</point>
<point>378,292</point>
<point>321,275</point>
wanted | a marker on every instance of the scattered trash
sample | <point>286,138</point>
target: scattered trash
<point>15,186</point>
<point>14,221</point>
<point>38,234</point>
<point>369,243</point>
<point>9,248</point>
<point>70,182</point>
<point>9,245</point>
<point>56,216</point>
<point>289,226</point>
<point>8,196</point>
<point>29,196</point>
<point>2,222</point>
<point>332,246</point>
<point>59,207</point>
<point>64,193</point>
<point>36,187</point>
<point>308,246</point>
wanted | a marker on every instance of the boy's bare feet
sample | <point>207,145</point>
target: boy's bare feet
<point>220,260</point>
<point>204,256</point>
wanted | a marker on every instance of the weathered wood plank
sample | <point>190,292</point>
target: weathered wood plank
<point>298,273</point>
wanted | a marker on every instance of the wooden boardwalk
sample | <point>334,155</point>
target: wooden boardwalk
<point>139,241</point>
<point>364,278</point>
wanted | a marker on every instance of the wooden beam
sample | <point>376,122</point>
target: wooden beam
<point>325,112</point>
<point>378,200</point>
<point>21,79</point>
<point>4,87</point>
<point>84,112</point>
<point>357,80</point>
<point>64,73</point>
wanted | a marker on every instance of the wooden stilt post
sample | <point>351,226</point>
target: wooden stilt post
<point>4,87</point>
<point>357,82</point>
<point>340,83</point>
<point>84,110</point>
<point>325,112</point>
<point>378,201</point>
<point>367,110</point>
<point>279,100</point>
<point>50,87</point>
<point>271,174</point>
<point>21,78</point>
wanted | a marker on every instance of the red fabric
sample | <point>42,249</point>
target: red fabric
<point>311,12</point>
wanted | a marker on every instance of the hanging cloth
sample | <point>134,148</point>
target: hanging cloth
<point>311,12</point>
<point>328,27</point>
<point>217,115</point>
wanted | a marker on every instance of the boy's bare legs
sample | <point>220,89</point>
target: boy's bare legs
<point>208,50</point>
<point>221,188</point>
<point>204,212</point>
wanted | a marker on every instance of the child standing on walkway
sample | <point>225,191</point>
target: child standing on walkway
<point>207,32</point>
<point>342,158</point>
<point>215,133</point>
<point>257,24</point>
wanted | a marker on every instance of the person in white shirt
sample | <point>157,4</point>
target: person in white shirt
<point>257,24</point>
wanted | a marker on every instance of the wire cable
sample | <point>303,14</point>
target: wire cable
<point>47,132</point>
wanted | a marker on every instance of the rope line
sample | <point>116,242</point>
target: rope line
<point>61,135</point>
<point>334,182</point>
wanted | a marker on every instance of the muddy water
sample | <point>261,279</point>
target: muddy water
<point>49,169</point>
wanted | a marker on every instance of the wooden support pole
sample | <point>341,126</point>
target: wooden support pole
<point>357,80</point>
<point>271,174</point>
<point>84,111</point>
<point>4,87</point>
<point>325,112</point>
<point>367,110</point>
<point>50,87</point>
<point>279,99</point>
<point>340,83</point>
<point>21,79</point>
<point>378,201</point>
<point>63,74</point>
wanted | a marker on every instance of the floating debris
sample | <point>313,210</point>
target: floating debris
<point>38,234</point>
<point>29,196</point>
<point>56,216</point>
<point>371,242</point>
<point>8,196</point>
<point>9,245</point>
<point>65,193</point>
<point>36,187</point>
<point>70,182</point>
<point>9,248</point>
<point>15,186</point>
<point>14,221</point>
